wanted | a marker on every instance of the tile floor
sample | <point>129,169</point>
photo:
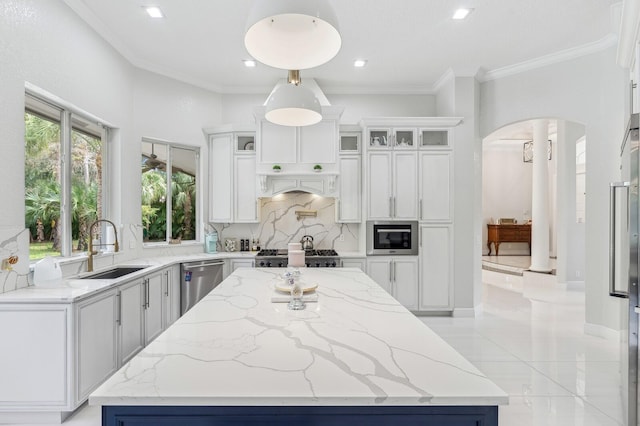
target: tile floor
<point>535,349</point>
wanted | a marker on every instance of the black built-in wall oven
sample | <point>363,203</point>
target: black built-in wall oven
<point>392,238</point>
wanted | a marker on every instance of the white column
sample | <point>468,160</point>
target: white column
<point>540,199</point>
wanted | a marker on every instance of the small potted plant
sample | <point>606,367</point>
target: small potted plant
<point>317,168</point>
<point>276,168</point>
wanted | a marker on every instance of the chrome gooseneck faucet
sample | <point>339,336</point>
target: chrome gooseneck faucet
<point>91,251</point>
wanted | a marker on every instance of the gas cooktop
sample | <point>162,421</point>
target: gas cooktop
<point>269,258</point>
<point>307,253</point>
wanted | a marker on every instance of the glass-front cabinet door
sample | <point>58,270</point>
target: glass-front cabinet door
<point>379,138</point>
<point>434,138</point>
<point>245,143</point>
<point>349,142</point>
<point>404,138</point>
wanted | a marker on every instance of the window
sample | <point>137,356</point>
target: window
<point>169,184</point>
<point>62,198</point>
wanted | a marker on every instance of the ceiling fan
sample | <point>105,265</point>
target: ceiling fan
<point>151,162</point>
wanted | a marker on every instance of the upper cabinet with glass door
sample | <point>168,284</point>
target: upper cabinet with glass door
<point>408,133</point>
<point>434,138</point>
<point>245,143</point>
<point>392,138</point>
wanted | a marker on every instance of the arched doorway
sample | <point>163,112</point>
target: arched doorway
<point>507,188</point>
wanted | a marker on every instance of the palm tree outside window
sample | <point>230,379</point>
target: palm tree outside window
<point>57,231</point>
<point>169,184</point>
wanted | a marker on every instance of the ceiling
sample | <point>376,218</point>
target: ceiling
<point>409,44</point>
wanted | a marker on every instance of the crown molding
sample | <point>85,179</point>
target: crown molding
<point>554,58</point>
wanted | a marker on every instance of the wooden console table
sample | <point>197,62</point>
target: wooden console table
<point>508,233</point>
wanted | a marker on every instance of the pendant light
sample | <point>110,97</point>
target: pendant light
<point>293,104</point>
<point>292,34</point>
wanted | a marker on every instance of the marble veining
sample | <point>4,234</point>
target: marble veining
<point>279,226</point>
<point>14,242</point>
<point>355,346</point>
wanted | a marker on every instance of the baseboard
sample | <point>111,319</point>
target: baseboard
<point>34,417</point>
<point>602,331</point>
<point>467,312</point>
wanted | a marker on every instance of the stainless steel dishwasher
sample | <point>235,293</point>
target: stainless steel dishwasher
<point>198,279</point>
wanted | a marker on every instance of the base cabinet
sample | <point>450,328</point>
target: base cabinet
<point>131,320</point>
<point>398,276</point>
<point>96,337</point>
<point>35,357</point>
<point>60,353</point>
<point>436,267</point>
<point>153,306</point>
<point>360,263</point>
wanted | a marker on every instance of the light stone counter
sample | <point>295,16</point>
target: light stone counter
<point>357,346</point>
<point>74,288</point>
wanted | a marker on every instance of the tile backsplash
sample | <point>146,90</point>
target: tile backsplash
<point>279,224</point>
<point>14,258</point>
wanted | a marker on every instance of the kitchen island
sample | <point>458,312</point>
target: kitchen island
<point>355,355</point>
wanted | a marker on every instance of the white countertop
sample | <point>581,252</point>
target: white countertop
<point>73,288</point>
<point>355,346</point>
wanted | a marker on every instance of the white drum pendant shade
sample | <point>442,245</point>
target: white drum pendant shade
<point>291,105</point>
<point>292,34</point>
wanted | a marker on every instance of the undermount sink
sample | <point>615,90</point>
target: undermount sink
<point>113,273</point>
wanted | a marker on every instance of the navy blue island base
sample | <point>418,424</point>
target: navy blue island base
<point>300,416</point>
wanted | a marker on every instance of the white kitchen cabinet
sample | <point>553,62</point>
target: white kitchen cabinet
<point>434,138</point>
<point>96,336</point>
<point>436,267</point>
<point>232,177</point>
<point>242,263</point>
<point>392,185</point>
<point>220,178</point>
<point>172,295</point>
<point>391,138</point>
<point>245,200</point>
<point>131,320</point>
<point>350,189</point>
<point>276,144</point>
<point>154,286</point>
<point>318,143</point>
<point>36,357</point>
<point>297,149</point>
<point>436,186</point>
<point>354,262</point>
<point>398,275</point>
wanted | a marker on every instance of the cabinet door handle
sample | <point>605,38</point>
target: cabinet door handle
<point>420,238</point>
<point>119,306</point>
<point>391,272</point>
<point>395,212</point>
<point>394,272</point>
<point>390,206</point>
<point>420,214</point>
<point>166,280</point>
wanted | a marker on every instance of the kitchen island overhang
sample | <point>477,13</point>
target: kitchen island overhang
<point>355,355</point>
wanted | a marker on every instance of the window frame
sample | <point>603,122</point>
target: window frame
<point>67,111</point>
<point>169,200</point>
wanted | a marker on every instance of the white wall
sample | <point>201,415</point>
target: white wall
<point>506,191</point>
<point>46,44</point>
<point>588,90</point>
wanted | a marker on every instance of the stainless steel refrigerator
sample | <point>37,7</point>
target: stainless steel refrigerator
<point>623,264</point>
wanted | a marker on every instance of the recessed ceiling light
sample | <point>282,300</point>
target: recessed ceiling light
<point>249,63</point>
<point>359,63</point>
<point>461,13</point>
<point>154,11</point>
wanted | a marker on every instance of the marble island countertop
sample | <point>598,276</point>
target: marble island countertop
<point>355,346</point>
